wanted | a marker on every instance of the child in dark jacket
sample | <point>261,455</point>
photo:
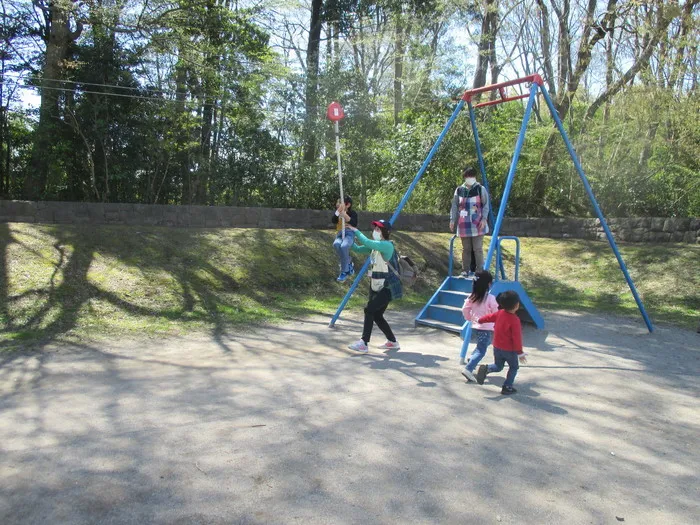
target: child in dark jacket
<point>344,238</point>
<point>507,341</point>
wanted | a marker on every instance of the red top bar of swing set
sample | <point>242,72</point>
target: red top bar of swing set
<point>467,97</point>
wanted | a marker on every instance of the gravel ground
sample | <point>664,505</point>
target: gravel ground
<point>284,425</point>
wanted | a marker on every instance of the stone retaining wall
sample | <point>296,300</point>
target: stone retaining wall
<point>646,229</point>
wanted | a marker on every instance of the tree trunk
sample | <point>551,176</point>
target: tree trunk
<point>399,50</point>
<point>584,52</point>
<point>609,70</point>
<point>547,48</point>
<point>567,89</point>
<point>645,154</point>
<point>564,57</point>
<point>486,42</point>
<point>312,59</point>
<point>4,137</point>
<point>182,154</point>
<point>680,65</point>
<point>204,169</point>
<point>694,81</point>
<point>642,61</point>
<point>59,37</point>
<point>494,20</point>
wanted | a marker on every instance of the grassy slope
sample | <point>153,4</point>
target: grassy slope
<point>94,281</point>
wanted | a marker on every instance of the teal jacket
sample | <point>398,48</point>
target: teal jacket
<point>386,248</point>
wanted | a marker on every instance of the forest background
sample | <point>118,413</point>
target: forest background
<point>222,102</point>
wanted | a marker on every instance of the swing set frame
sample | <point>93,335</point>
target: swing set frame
<point>536,85</point>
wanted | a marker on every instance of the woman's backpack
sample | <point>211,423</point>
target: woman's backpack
<point>406,270</point>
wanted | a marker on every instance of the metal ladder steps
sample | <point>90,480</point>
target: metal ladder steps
<point>446,314</point>
<point>460,284</point>
<point>452,298</point>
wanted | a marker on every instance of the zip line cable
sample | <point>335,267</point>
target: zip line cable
<point>107,93</point>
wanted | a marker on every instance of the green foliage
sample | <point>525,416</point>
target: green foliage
<point>644,160</point>
<point>199,107</point>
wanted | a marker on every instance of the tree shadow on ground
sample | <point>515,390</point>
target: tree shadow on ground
<point>218,295</point>
<point>526,395</point>
<point>5,240</point>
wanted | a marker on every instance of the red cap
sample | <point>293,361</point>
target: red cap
<point>382,224</point>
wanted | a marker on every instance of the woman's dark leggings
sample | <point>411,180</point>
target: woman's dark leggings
<point>374,313</point>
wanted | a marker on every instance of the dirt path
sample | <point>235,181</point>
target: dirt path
<point>282,425</point>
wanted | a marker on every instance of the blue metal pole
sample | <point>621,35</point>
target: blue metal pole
<point>451,263</point>
<point>410,189</point>
<point>482,168</point>
<point>511,174</point>
<point>465,343</point>
<point>598,211</point>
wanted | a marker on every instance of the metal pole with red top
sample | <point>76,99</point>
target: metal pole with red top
<point>335,114</point>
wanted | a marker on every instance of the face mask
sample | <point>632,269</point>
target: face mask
<point>470,181</point>
<point>377,236</point>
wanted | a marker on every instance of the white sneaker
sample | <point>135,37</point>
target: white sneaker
<point>389,345</point>
<point>359,346</point>
<point>469,375</point>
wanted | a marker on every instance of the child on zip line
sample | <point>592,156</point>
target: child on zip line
<point>342,245</point>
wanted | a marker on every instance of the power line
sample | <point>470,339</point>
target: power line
<point>122,95</point>
<point>44,79</point>
<point>77,90</point>
<point>39,80</point>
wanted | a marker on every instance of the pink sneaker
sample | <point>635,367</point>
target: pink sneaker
<point>359,346</point>
<point>389,345</point>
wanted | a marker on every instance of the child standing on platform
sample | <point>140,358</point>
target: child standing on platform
<point>479,303</point>
<point>507,341</point>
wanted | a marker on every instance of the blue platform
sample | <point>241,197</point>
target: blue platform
<point>444,309</point>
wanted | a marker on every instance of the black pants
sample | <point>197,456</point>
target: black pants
<point>374,313</point>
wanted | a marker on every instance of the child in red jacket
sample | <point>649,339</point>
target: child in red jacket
<point>507,341</point>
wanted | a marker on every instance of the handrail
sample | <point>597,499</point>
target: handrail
<point>451,263</point>
<point>517,253</point>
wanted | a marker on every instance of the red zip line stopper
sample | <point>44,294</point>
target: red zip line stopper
<point>335,112</point>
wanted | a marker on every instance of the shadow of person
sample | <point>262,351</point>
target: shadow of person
<point>400,359</point>
<point>526,395</point>
<point>539,339</point>
<point>408,363</point>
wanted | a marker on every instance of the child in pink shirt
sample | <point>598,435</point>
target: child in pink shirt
<point>479,304</point>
